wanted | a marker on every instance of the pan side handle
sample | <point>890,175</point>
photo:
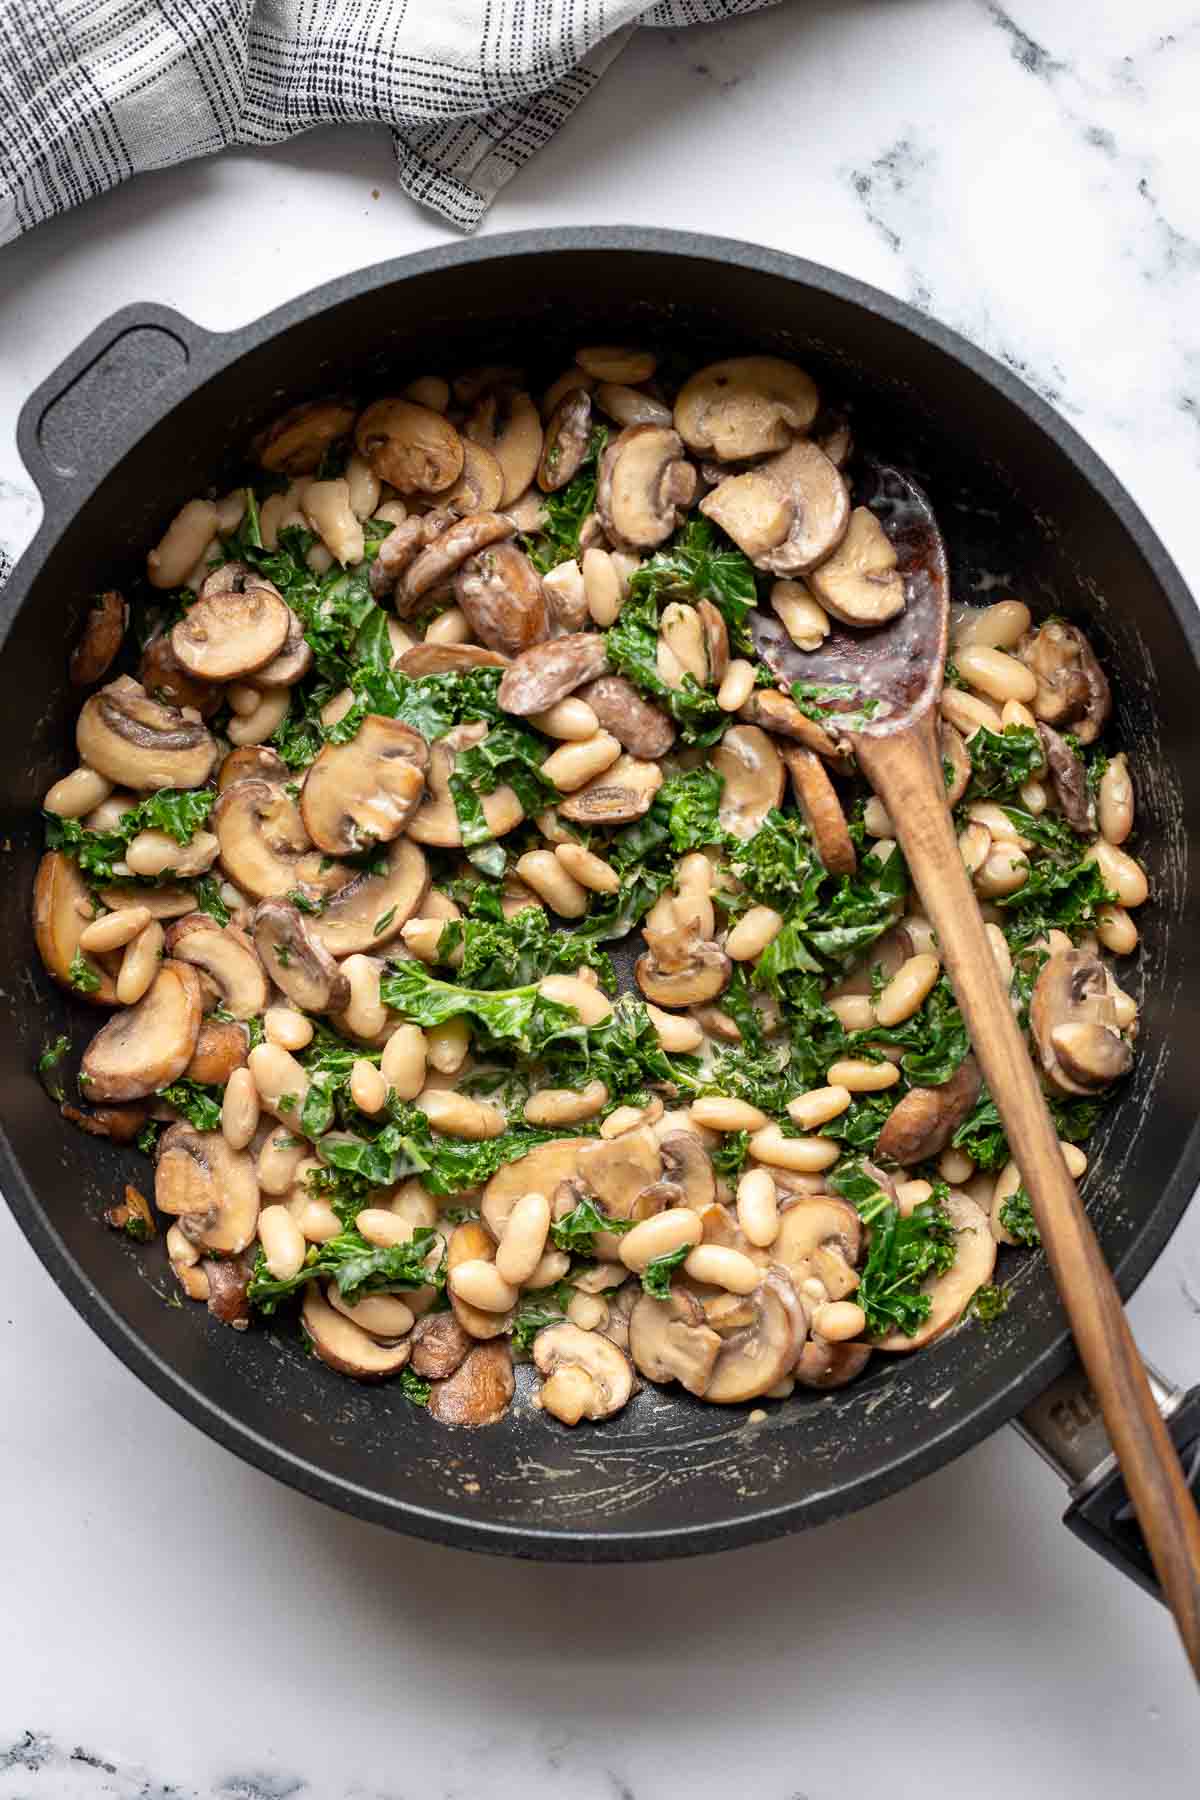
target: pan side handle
<point>1066,1428</point>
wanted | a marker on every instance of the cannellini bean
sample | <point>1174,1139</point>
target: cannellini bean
<point>383,1228</point>
<point>626,563</point>
<point>913,981</point>
<point>1003,871</point>
<point>154,852</point>
<point>571,719</point>
<point>719,1266</point>
<point>368,1089</point>
<point>1006,1185</point>
<point>621,1120</point>
<point>920,932</point>
<point>568,602</point>
<point>858,1076</point>
<point>737,685</point>
<point>231,508</point>
<point>967,712</point>
<point>955,1166</point>
<point>1000,953</point>
<point>180,1249</point>
<point>78,793</point>
<point>239,1109</point>
<point>804,619</point>
<point>576,764</point>
<point>524,1238</point>
<point>450,627</point>
<point>319,558</point>
<point>366,1015</point>
<point>413,1203</point>
<point>721,1113</point>
<point>677,1036</point>
<point>182,544</point>
<point>284,1026</point>
<point>757,928</point>
<point>448,1045</point>
<point>278,1161</point>
<point>279,1079</point>
<point>1033,797</point>
<point>264,721</point>
<point>422,937</point>
<point>552,1268</point>
<point>403,1063</point>
<point>328,510</point>
<point>544,873</point>
<point>316,1218</point>
<point>458,1116</point>
<point>1074,1158</point>
<point>363,487</point>
<point>995,674</point>
<point>602,586</point>
<point>1115,801</point>
<point>1124,1009</point>
<point>758,1207</point>
<point>383,1315</point>
<point>282,1241</point>
<point>839,1320</point>
<point>974,843</point>
<point>1015,712</point>
<point>243,699</point>
<point>805,1155</point>
<point>821,1104</point>
<point>437,905</point>
<point>588,869</point>
<point>996,822</point>
<point>566,1106</point>
<point>876,822</point>
<point>666,1231</point>
<point>139,965</point>
<point>591,1005</point>
<point>588,1311</point>
<point>481,1284</point>
<point>1114,927</point>
<point>430,391</point>
<point>854,1011</point>
<point>114,929</point>
<point>999,626</point>
<point>693,874</point>
<point>910,1194</point>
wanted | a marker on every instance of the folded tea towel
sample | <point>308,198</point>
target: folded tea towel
<point>93,91</point>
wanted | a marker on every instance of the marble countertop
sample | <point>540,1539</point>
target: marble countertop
<point>176,1625</point>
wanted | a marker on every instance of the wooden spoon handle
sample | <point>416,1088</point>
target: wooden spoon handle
<point>906,772</point>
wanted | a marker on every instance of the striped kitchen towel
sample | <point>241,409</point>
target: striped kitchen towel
<point>95,91</point>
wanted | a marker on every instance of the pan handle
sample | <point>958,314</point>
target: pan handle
<point>101,397</point>
<point>1066,1428</point>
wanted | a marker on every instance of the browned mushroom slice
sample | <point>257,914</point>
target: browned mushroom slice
<point>294,661</point>
<point>751,509</point>
<point>447,552</point>
<point>669,1341</point>
<point>755,1356</point>
<point>922,1124</point>
<point>221,1047</point>
<point>296,442</point>
<point>778,713</point>
<point>229,1280</point>
<point>300,966</point>
<point>822,1365</point>
<point>566,444</point>
<point>745,406</point>
<point>752,770</point>
<point>680,968</point>
<point>1073,692</point>
<point>617,1171</point>
<point>345,1346</point>
<point>821,809</point>
<point>585,1375</point>
<point>410,446</point>
<point>211,1189</point>
<point>716,641</point>
<point>226,956</point>
<point>439,1346</point>
<point>538,1172</point>
<point>480,1390</point>
<point>147,1045</point>
<point>957,762</point>
<point>373,909</point>
<point>231,634</point>
<point>1068,774</point>
<point>644,486</point>
<point>550,672</point>
<point>506,422</point>
<point>402,545</point>
<point>165,679</point>
<point>436,819</point>
<point>59,895</point>
<point>479,487</point>
<point>642,729</point>
<point>631,405</point>
<point>502,596</point>
<point>120,1124</point>
<point>253,762</point>
<point>169,901</point>
<point>860,583</point>
<point>140,744</point>
<point>365,791</point>
<point>788,514</point>
<point>103,630</point>
<point>820,1238</point>
<point>950,1294</point>
<point>687,1166</point>
<point>448,659</point>
<point>265,850</point>
<point>622,793</point>
<point>1074,1024</point>
<point>132,1214</point>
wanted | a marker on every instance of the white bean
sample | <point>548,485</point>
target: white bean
<point>758,1207</point>
<point>544,873</point>
<point>385,1316</point>
<point>821,1104</point>
<point>804,619</point>
<point>995,674</point>
<point>999,626</point>
<point>805,1155</point>
<point>384,1229</point>
<point>78,793</point>
<point>757,928</point>
<point>567,990</point>
<point>154,852</point>
<point>368,1089</point>
<point>721,1113</point>
<point>1124,1009</point>
<point>264,721</point>
<point>552,1268</point>
<point>278,1161</point>
<point>910,1194</point>
<point>588,869</point>
<point>876,822</point>
<point>677,1036</point>
<point>955,1166</point>
<point>967,713</point>
<point>404,1061</point>
<point>316,1218</point>
<point>1004,870</point>
<point>659,1236</point>
<point>1074,1158</point>
<point>139,965</point>
<point>602,586</point>
<point>571,719</point>
<point>974,843</point>
<point>481,1284</point>
<point>430,391</point>
<point>524,1238</point>
<point>1116,801</point>
<point>412,1203</point>
<point>565,1106</point>
<point>737,685</point>
<point>458,1116</point>
<point>422,937</point>
<point>181,545</point>
<point>366,1015</point>
<point>1114,927</point>
<point>839,1320</point>
<point>719,1266</point>
<point>115,929</point>
<point>1000,953</point>
<point>853,1011</point>
<point>450,627</point>
<point>1014,712</point>
<point>363,487</point>
<point>907,990</point>
<point>588,1311</point>
<point>858,1076</point>
<point>573,765</point>
<point>239,1109</point>
<point>284,1026</point>
<point>282,1084</point>
<point>180,1249</point>
<point>282,1240</point>
<point>1006,1185</point>
<point>447,1045</point>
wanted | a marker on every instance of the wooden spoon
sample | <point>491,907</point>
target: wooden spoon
<point>888,683</point>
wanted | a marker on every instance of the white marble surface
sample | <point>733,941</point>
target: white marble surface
<point>173,1624</point>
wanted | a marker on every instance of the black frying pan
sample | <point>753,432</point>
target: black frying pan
<point>146,414</point>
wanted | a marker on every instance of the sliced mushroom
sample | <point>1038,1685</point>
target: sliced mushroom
<point>669,1341</point>
<point>644,487</point>
<point>568,434</point>
<point>59,894</point>
<point>480,1390</point>
<point>293,662</point>
<point>716,641</point>
<point>448,659</point>
<point>860,583</point>
<point>446,553</point>
<point>821,810</point>
<point>480,486</point>
<point>753,773</point>
<point>680,968</point>
<point>253,762</point>
<point>138,743</point>
<point>345,1346</point>
<point>265,850</point>
<point>957,762</point>
<point>300,967</point>
<point>550,672</point>
<point>410,446</point>
<point>1073,692</point>
<point>296,442</point>
<point>229,1280</point>
<point>1074,1024</point>
<point>922,1124</point>
<point>169,901</point>
<point>756,512</point>
<point>820,1238</point>
<point>788,514</point>
<point>823,1365</point>
<point>950,1294</point>
<point>371,910</point>
<point>100,639</point>
<point>403,544</point>
<point>686,1165</point>
<point>630,405</point>
<point>221,1047</point>
<point>585,1375</point>
<point>232,634</point>
<point>681,630</point>
<point>538,1172</point>
<point>644,730</point>
<point>439,1346</point>
<point>831,430</point>
<point>755,1356</point>
<point>148,1045</point>
<point>506,422</point>
<point>618,1170</point>
<point>165,679</point>
<point>745,406</point>
<point>436,819</point>
<point>502,596</point>
<point>622,793</point>
<point>364,792</point>
<point>1068,773</point>
<point>211,1189</point>
<point>226,956</point>
<point>778,713</point>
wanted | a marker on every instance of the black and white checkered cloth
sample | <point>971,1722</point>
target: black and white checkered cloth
<point>94,91</point>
